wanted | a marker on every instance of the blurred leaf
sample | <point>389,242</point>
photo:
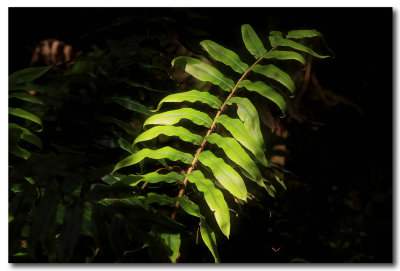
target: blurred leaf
<point>70,233</point>
<point>129,104</point>
<point>27,75</point>
<point>26,97</point>
<point>19,112</point>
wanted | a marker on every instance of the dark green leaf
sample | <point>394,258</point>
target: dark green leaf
<point>208,236</point>
<point>129,104</point>
<point>27,75</point>
<point>26,97</point>
<point>275,37</point>
<point>252,41</point>
<point>19,112</point>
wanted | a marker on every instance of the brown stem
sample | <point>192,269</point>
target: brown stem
<point>221,110</point>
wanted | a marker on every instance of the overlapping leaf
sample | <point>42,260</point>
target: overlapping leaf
<point>238,131</point>
<point>225,56</point>
<point>168,130</point>
<point>166,152</point>
<point>174,116</point>
<point>273,72</point>
<point>224,173</point>
<point>214,198</point>
<point>192,96</point>
<point>204,72</point>
<point>19,112</point>
<point>237,154</point>
<point>266,91</point>
<point>27,135</point>
<point>249,115</point>
<point>286,55</point>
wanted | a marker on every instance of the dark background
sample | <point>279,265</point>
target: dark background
<point>339,208</point>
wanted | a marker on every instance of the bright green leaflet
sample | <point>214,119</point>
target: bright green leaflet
<point>204,72</point>
<point>286,55</point>
<point>173,241</point>
<point>301,47</point>
<point>168,130</point>
<point>189,207</point>
<point>299,34</point>
<point>266,91</point>
<point>237,154</point>
<point>224,55</point>
<point>238,130</point>
<point>166,152</point>
<point>19,112</point>
<point>26,97</point>
<point>252,41</point>
<point>214,198</point>
<point>224,173</point>
<point>129,104</point>
<point>174,116</point>
<point>27,75</point>
<point>192,96</point>
<point>273,72</point>
<point>208,236</point>
<point>27,135</point>
<point>249,115</point>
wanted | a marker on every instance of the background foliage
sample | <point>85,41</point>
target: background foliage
<point>338,208</point>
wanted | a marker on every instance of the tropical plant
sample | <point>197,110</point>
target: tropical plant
<point>223,142</point>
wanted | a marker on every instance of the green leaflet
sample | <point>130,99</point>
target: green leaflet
<point>125,145</point>
<point>225,56</point>
<point>299,34</point>
<point>139,85</point>
<point>26,97</point>
<point>174,116</point>
<point>166,152</point>
<point>20,152</point>
<point>173,242</point>
<point>275,37</point>
<point>273,72</point>
<point>208,236</point>
<point>252,41</point>
<point>27,75</point>
<point>159,199</point>
<point>129,104</point>
<point>214,198</point>
<point>189,207</point>
<point>286,55</point>
<point>27,135</point>
<point>19,112</point>
<point>225,174</point>
<point>125,126</point>
<point>301,47</point>
<point>181,132</point>
<point>154,177</point>
<point>266,91</point>
<point>192,96</point>
<point>249,115</point>
<point>238,131</point>
<point>204,72</point>
<point>237,154</point>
